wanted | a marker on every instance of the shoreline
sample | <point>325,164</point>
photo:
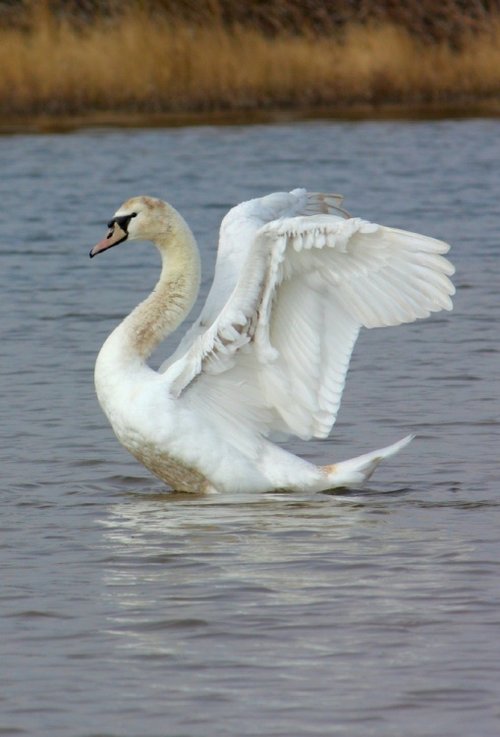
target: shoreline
<point>46,124</point>
<point>138,69</point>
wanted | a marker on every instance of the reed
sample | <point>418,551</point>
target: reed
<point>153,63</point>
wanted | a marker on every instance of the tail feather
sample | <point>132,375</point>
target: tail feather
<point>357,470</point>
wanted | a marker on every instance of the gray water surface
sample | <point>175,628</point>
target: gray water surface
<point>127,611</point>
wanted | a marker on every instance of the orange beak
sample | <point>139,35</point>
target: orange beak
<point>115,236</point>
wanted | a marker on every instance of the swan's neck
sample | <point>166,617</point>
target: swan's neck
<point>169,302</point>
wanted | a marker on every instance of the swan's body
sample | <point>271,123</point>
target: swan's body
<point>296,278</point>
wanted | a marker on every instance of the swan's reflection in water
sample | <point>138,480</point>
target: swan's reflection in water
<point>285,600</point>
<point>198,565</point>
<point>214,566</point>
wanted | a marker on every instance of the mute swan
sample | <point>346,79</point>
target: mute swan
<point>296,277</point>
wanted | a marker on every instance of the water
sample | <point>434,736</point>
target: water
<point>130,612</point>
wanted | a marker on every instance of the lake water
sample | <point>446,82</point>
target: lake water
<point>131,612</point>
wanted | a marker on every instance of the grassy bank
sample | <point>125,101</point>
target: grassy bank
<point>142,63</point>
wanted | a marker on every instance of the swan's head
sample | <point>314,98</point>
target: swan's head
<point>139,218</point>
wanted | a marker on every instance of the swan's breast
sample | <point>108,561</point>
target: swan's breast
<point>144,418</point>
<point>176,474</point>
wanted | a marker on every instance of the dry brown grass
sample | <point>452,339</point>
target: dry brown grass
<point>136,62</point>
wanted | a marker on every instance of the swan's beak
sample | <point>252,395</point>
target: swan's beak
<point>115,236</point>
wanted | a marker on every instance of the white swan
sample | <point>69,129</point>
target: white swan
<point>296,278</point>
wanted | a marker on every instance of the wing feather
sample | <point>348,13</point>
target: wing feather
<point>275,358</point>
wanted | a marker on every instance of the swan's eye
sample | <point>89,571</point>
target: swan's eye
<point>122,221</point>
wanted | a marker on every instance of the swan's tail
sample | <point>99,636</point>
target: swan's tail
<point>357,470</point>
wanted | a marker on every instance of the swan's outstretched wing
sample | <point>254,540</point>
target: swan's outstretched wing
<point>237,234</point>
<point>276,356</point>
